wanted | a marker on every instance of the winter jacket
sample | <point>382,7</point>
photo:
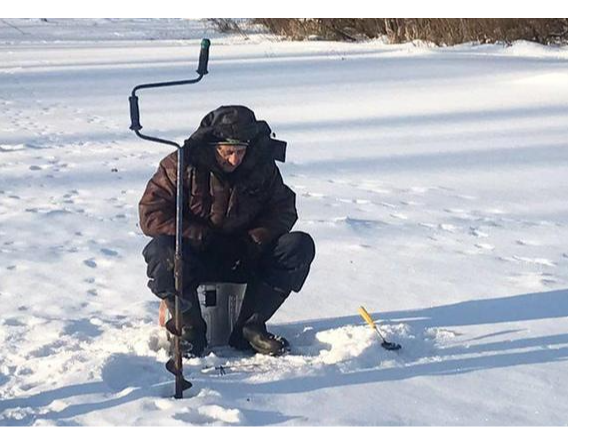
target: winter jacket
<point>252,200</point>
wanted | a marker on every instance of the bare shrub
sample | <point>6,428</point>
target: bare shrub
<point>440,31</point>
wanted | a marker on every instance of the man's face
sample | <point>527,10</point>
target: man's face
<point>229,157</point>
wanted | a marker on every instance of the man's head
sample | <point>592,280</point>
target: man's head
<point>234,125</point>
<point>230,156</point>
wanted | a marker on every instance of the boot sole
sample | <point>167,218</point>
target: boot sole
<point>284,349</point>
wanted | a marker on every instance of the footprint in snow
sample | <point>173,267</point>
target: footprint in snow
<point>528,243</point>
<point>485,246</point>
<point>449,228</point>
<point>109,252</point>
<point>477,233</point>
<point>90,262</point>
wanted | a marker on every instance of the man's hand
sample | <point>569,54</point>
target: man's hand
<point>254,250</point>
<point>260,235</point>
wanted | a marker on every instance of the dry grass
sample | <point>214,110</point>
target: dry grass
<point>441,31</point>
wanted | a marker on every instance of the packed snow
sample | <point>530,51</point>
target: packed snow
<point>433,180</point>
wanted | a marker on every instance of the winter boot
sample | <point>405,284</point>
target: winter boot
<point>254,331</point>
<point>193,340</point>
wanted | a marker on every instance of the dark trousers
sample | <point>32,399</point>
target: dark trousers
<point>284,266</point>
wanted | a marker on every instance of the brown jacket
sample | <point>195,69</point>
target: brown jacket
<point>253,200</point>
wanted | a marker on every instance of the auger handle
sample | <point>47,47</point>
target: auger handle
<point>203,57</point>
<point>134,113</point>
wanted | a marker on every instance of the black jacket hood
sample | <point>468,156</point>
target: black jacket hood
<point>240,124</point>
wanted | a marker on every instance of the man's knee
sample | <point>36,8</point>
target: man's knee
<point>297,248</point>
<point>160,248</point>
<point>158,255</point>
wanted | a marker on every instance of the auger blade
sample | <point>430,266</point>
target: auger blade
<point>179,377</point>
<point>170,326</point>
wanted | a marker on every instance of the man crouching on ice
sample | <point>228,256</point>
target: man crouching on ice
<point>238,214</point>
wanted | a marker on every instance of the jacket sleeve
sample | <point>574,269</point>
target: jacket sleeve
<point>279,213</point>
<point>157,206</point>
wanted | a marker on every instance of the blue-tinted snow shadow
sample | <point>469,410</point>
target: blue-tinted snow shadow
<point>531,306</point>
<point>125,378</point>
<point>408,121</point>
<point>439,368</point>
<point>3,379</point>
<point>137,377</point>
<point>527,351</point>
<point>537,155</point>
